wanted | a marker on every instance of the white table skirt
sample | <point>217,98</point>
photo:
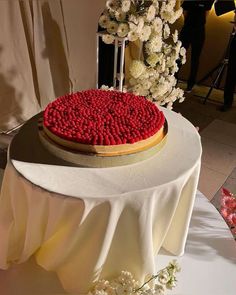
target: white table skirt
<point>86,223</point>
<point>207,267</point>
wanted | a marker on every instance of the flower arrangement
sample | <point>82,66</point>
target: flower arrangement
<point>125,284</point>
<point>228,209</point>
<point>149,22</point>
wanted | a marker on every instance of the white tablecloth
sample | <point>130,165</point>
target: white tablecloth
<point>207,266</point>
<point>88,223</point>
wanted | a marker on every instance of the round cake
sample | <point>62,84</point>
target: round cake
<point>103,123</point>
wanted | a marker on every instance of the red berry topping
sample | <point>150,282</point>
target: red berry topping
<point>99,117</point>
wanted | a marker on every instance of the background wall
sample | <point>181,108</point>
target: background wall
<point>47,49</point>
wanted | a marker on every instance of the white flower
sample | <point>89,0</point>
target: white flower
<point>122,30</point>
<point>168,14</point>
<point>125,5</point>
<point>133,36</point>
<point>159,289</point>
<point>170,107</point>
<point>137,68</point>
<point>153,78</point>
<point>166,32</point>
<point>175,36</point>
<point>139,90</point>
<point>154,45</point>
<point>181,99</point>
<point>174,69</point>
<point>112,4</point>
<point>156,5</point>
<point>146,84</point>
<point>173,267</point>
<point>140,25</point>
<point>103,21</point>
<point>108,39</point>
<point>120,15</point>
<point>157,25</point>
<point>153,59</point>
<point>160,89</point>
<point>145,33</point>
<point>104,87</point>
<point>183,55</point>
<point>112,27</point>
<point>151,13</point>
<point>132,81</point>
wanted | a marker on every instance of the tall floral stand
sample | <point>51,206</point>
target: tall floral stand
<point>118,73</point>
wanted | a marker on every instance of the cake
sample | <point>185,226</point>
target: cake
<point>103,123</point>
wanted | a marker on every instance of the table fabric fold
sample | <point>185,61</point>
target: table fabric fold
<point>86,223</point>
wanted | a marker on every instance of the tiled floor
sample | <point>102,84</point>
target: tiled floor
<point>218,132</point>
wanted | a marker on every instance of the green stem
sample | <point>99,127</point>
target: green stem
<point>152,278</point>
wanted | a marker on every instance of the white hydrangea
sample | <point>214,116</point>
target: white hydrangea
<point>153,59</point>
<point>137,68</point>
<point>154,45</point>
<point>146,84</point>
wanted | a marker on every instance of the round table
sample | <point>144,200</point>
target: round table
<point>91,223</point>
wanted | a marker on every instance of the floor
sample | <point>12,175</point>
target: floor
<point>217,130</point>
<point>218,134</point>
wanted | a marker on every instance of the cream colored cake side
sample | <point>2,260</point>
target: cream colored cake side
<point>111,150</point>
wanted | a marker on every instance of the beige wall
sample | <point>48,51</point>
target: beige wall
<point>218,30</point>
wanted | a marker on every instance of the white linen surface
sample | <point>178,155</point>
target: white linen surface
<point>88,223</point>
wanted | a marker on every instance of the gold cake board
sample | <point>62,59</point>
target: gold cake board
<point>94,160</point>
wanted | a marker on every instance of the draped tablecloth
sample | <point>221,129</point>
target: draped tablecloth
<point>90,223</point>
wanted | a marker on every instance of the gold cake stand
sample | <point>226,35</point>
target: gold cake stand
<point>96,160</point>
